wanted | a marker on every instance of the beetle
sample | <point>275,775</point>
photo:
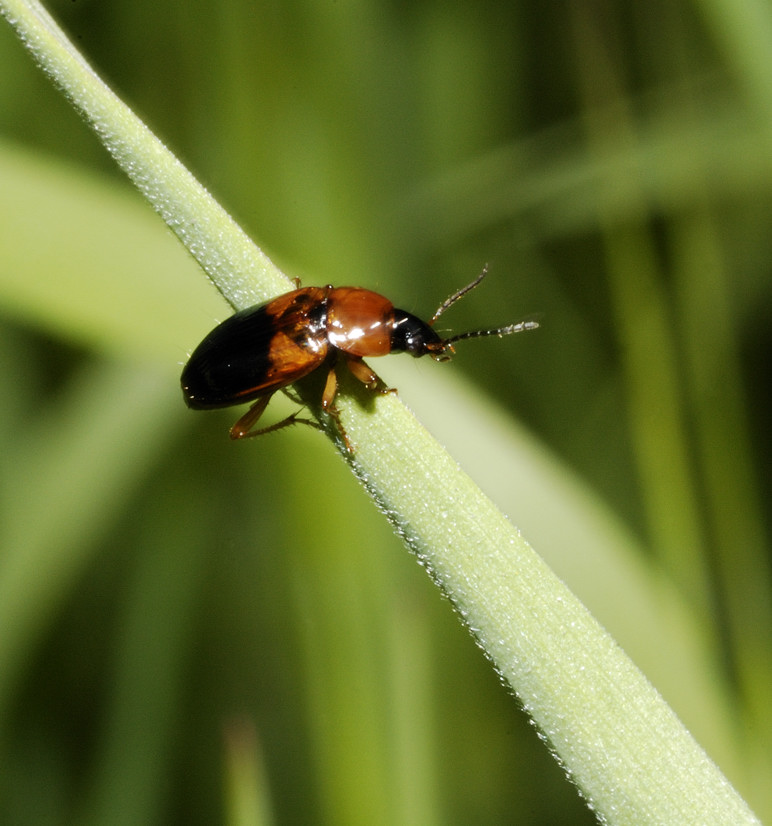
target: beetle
<point>268,347</point>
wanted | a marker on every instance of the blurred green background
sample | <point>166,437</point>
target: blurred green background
<point>195,631</point>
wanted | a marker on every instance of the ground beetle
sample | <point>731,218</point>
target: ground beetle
<point>266,348</point>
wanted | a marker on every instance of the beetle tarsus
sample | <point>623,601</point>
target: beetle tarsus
<point>334,414</point>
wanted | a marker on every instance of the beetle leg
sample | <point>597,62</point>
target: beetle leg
<point>370,379</point>
<point>243,427</point>
<point>328,405</point>
<point>293,396</point>
<point>330,389</point>
<point>249,419</point>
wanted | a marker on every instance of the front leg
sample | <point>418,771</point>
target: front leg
<point>371,380</point>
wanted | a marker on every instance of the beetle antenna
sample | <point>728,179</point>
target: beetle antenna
<point>519,327</point>
<point>450,301</point>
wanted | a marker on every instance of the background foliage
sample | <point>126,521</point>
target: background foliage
<point>193,629</point>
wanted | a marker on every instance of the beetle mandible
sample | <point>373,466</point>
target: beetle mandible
<point>266,348</point>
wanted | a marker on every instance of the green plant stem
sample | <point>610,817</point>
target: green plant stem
<point>617,739</point>
<point>240,270</point>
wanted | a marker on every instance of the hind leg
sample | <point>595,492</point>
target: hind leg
<point>244,427</point>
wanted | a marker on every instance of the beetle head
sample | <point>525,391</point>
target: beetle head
<point>413,336</point>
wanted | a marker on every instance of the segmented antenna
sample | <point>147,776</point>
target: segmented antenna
<point>449,302</point>
<point>519,327</point>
